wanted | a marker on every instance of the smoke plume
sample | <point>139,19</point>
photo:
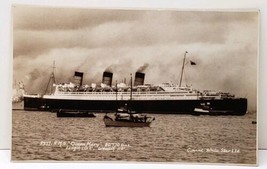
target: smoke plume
<point>143,68</point>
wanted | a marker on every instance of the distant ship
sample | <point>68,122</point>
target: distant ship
<point>17,97</point>
<point>166,98</point>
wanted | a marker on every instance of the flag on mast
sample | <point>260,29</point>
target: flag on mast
<point>192,63</point>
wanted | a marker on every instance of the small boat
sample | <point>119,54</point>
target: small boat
<point>128,120</point>
<point>73,113</point>
<point>125,117</point>
<point>207,109</point>
<point>201,110</point>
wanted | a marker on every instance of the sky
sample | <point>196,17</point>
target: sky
<point>223,44</point>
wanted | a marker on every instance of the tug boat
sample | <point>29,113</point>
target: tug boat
<point>206,108</point>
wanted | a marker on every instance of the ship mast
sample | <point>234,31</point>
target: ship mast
<point>53,73</point>
<point>131,95</point>
<point>182,69</point>
<point>116,96</point>
<point>52,77</point>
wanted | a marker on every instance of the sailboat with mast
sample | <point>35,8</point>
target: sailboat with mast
<point>165,98</point>
<point>126,117</point>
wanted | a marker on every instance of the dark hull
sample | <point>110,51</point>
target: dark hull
<point>74,114</point>
<point>233,106</point>
<point>111,123</point>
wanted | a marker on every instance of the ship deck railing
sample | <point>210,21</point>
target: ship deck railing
<point>128,93</point>
<point>125,95</point>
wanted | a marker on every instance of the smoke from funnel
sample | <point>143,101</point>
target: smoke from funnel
<point>143,68</point>
<point>109,69</point>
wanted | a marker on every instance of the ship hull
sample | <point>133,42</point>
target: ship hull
<point>237,106</point>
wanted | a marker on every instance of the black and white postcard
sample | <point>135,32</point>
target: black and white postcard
<point>135,85</point>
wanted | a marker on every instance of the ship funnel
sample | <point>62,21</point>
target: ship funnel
<point>78,78</point>
<point>107,78</point>
<point>139,79</point>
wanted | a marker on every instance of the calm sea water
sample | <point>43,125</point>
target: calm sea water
<point>171,138</point>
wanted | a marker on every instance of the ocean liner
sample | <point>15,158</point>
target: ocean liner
<point>165,98</point>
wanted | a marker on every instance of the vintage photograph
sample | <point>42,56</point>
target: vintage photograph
<point>134,85</point>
